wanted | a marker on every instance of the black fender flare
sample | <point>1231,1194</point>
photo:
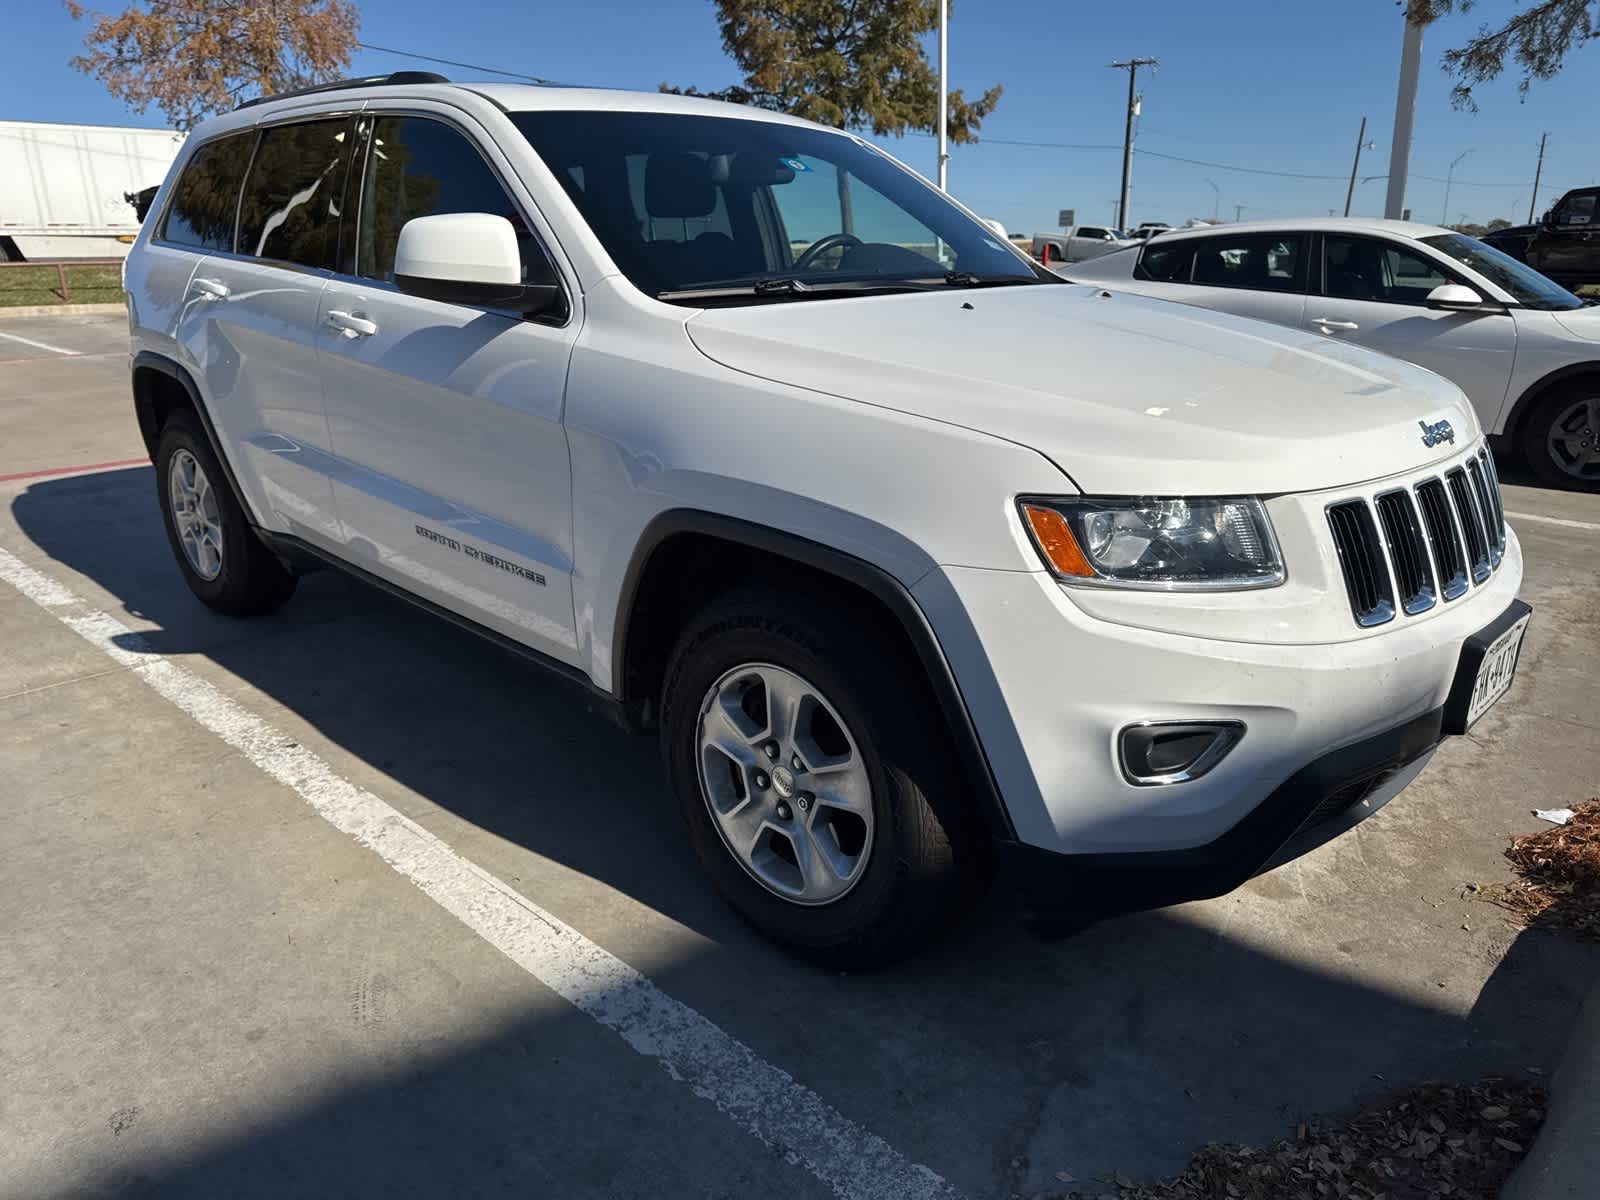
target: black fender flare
<point>144,410</point>
<point>873,580</point>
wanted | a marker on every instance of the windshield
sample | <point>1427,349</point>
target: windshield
<point>1525,285</point>
<point>684,202</point>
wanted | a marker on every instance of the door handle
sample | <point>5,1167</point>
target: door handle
<point>210,289</point>
<point>1327,323</point>
<point>351,324</point>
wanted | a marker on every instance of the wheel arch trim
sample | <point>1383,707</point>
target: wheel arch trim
<point>894,595</point>
<point>144,411</point>
<point>1532,393</point>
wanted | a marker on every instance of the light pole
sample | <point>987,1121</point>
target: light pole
<point>1238,213</point>
<point>1131,66</point>
<point>1216,199</point>
<point>944,90</point>
<point>1361,144</point>
<point>1445,214</point>
<point>1405,105</point>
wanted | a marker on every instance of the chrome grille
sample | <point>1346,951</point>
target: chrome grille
<point>1444,537</point>
<point>1408,551</point>
<point>1471,524</point>
<point>1366,578</point>
<point>1415,545</point>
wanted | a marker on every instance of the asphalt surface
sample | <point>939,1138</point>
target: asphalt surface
<point>209,987</point>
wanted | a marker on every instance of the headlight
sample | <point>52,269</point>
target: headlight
<point>1175,544</point>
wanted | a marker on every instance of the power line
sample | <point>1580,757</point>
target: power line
<point>450,62</point>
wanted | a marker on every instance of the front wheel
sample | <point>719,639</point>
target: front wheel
<point>816,780</point>
<point>1561,437</point>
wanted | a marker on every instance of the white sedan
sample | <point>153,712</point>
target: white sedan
<point>1526,350</point>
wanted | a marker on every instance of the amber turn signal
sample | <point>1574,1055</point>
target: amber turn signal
<point>1053,536</point>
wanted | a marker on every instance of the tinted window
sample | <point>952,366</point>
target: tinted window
<point>207,196</point>
<point>1089,231</point>
<point>726,201</point>
<point>1367,269</point>
<point>1577,210</point>
<point>1523,282</point>
<point>419,168</point>
<point>1166,262</point>
<point>290,211</point>
<point>1263,262</point>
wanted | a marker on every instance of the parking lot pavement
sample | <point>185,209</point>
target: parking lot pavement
<point>339,901</point>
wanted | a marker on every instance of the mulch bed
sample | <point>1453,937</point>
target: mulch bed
<point>1560,885</point>
<point>1437,1139</point>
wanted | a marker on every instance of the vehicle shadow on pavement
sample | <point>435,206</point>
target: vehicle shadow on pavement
<point>995,1059</point>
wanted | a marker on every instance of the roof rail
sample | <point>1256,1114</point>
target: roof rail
<point>339,85</point>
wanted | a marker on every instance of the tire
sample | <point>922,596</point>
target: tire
<point>1560,439</point>
<point>237,575</point>
<point>911,855</point>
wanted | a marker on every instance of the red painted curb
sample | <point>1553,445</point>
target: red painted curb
<point>85,469</point>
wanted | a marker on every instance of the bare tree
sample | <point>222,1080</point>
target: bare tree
<point>192,58</point>
<point>1537,39</point>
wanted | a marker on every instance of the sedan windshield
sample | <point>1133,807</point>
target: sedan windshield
<point>703,209</point>
<point>1525,285</point>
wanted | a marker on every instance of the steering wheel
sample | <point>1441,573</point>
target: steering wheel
<point>822,245</point>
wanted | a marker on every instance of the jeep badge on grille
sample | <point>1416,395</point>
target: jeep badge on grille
<point>1439,431</point>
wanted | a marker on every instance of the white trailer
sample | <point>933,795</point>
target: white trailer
<point>65,190</point>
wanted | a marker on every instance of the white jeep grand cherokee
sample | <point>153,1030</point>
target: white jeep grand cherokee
<point>731,420</point>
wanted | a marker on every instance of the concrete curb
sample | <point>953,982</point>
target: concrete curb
<point>1564,1163</point>
<point>62,310</point>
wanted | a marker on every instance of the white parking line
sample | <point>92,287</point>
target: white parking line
<point>17,337</point>
<point>1552,520</point>
<point>757,1096</point>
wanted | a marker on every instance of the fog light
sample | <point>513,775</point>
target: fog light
<point>1153,753</point>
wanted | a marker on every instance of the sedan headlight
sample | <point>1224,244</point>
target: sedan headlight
<point>1173,544</point>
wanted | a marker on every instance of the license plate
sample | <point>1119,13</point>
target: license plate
<point>1496,670</point>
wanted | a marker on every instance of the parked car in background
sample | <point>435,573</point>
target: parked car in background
<point>1079,243</point>
<point>72,191</point>
<point>1526,350</point>
<point>732,422</point>
<point>1512,240</point>
<point>1565,245</point>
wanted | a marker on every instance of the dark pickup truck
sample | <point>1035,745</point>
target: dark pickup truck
<point>1564,245</point>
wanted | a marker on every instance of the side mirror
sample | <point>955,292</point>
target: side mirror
<point>1454,297</point>
<point>468,258</point>
<point>1549,218</point>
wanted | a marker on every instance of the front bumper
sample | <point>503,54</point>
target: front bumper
<point>1321,799</point>
<point>1049,687</point>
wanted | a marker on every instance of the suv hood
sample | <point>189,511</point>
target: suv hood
<point>1127,395</point>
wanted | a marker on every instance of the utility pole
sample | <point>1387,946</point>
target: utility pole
<point>1216,198</point>
<point>1444,215</point>
<point>1533,201</point>
<point>1238,213</point>
<point>944,89</point>
<point>1361,144</point>
<point>1405,104</point>
<point>1131,66</point>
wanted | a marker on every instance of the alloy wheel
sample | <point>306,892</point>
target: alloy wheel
<point>785,783</point>
<point>194,513</point>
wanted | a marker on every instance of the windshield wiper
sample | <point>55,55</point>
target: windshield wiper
<point>785,286</point>
<point>973,279</point>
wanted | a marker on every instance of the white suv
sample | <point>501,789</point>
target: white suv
<point>731,420</point>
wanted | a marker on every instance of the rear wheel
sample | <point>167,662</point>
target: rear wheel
<point>222,560</point>
<point>1561,437</point>
<point>817,781</point>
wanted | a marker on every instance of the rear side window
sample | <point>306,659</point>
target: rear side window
<point>1089,231</point>
<point>207,196</point>
<point>417,168</point>
<point>1166,262</point>
<point>290,210</point>
<point>1263,262</point>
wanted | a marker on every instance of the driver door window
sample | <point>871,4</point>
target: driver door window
<point>1358,268</point>
<point>1578,210</point>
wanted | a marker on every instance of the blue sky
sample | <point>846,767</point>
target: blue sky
<point>1251,83</point>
